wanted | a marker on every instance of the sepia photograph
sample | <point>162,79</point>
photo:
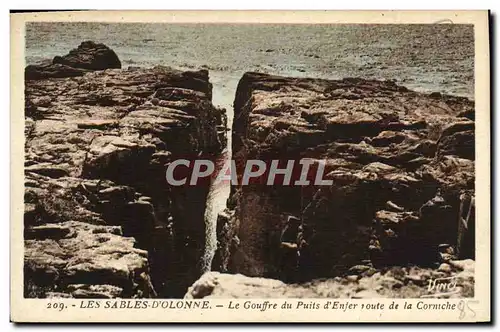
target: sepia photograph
<point>218,160</point>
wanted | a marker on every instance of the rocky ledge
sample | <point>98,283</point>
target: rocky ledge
<point>402,166</point>
<point>100,219</point>
<point>394,282</point>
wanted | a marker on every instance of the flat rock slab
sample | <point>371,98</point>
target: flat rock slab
<point>395,283</point>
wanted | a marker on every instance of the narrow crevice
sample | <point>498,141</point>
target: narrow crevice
<point>224,90</point>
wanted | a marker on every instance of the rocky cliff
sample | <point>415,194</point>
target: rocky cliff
<point>100,219</point>
<point>402,166</point>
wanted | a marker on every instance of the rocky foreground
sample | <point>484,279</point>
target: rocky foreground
<point>402,166</point>
<point>100,220</point>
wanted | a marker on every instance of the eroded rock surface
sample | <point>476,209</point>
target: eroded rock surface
<point>100,219</point>
<point>84,260</point>
<point>395,282</point>
<point>401,162</point>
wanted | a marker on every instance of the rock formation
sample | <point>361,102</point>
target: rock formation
<point>87,57</point>
<point>401,162</point>
<point>100,219</point>
<point>363,283</point>
<point>91,56</point>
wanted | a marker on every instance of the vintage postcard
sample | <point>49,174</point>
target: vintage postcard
<point>177,166</point>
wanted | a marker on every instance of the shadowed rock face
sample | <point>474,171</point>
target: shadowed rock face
<point>100,219</point>
<point>88,56</point>
<point>399,161</point>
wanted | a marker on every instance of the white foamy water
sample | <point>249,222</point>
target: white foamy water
<point>421,57</point>
<point>223,95</point>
